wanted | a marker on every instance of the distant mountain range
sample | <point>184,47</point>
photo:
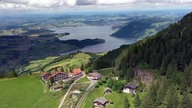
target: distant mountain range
<point>144,27</point>
<point>173,44</point>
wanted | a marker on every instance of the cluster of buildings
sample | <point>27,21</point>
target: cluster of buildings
<point>61,76</point>
<point>100,102</point>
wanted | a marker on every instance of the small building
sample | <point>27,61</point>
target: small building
<point>100,102</point>
<point>107,90</point>
<point>57,87</point>
<point>57,76</point>
<point>45,75</point>
<point>76,92</point>
<point>76,73</point>
<point>130,88</point>
<point>115,78</point>
<point>94,76</point>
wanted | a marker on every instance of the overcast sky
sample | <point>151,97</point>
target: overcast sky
<point>62,4</point>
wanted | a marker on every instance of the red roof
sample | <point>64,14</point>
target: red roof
<point>45,73</point>
<point>56,73</point>
<point>77,71</point>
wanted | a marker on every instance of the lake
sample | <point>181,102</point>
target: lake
<point>92,32</point>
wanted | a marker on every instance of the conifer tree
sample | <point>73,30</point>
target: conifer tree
<point>137,101</point>
<point>13,73</point>
<point>62,69</point>
<point>126,103</point>
<point>172,98</point>
<point>186,102</point>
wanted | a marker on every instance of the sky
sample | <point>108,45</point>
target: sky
<point>92,4</point>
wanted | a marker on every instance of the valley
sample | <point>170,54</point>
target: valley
<point>122,60</point>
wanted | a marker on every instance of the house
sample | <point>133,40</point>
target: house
<point>100,102</point>
<point>107,90</point>
<point>45,75</point>
<point>57,76</point>
<point>76,73</point>
<point>94,76</point>
<point>57,87</point>
<point>130,88</point>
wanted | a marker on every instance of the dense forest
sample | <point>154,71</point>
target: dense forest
<point>169,52</point>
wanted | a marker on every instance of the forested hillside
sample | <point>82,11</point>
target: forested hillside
<point>143,27</point>
<point>170,53</point>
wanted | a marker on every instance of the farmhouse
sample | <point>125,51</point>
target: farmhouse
<point>76,73</point>
<point>130,88</point>
<point>94,76</point>
<point>57,76</point>
<point>107,90</point>
<point>100,102</point>
<point>45,75</point>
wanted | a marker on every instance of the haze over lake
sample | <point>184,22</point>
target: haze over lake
<point>92,32</point>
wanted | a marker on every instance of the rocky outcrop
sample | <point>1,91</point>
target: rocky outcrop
<point>145,75</point>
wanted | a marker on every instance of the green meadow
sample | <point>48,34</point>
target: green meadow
<point>49,63</point>
<point>27,92</point>
<point>118,99</point>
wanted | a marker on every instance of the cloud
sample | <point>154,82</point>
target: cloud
<point>36,4</point>
<point>113,2</point>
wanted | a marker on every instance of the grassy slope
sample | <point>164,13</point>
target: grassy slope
<point>82,80</point>
<point>35,65</point>
<point>105,71</point>
<point>48,63</point>
<point>26,92</point>
<point>74,61</point>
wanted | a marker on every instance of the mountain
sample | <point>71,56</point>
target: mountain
<point>144,27</point>
<point>169,55</point>
<point>176,39</point>
<point>172,45</point>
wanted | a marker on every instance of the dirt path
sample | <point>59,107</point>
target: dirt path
<point>65,96</point>
<point>85,94</point>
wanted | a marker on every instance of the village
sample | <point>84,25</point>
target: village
<point>56,81</point>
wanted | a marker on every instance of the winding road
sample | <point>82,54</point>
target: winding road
<point>65,96</point>
<point>85,94</point>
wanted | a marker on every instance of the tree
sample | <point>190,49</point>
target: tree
<point>186,102</point>
<point>137,101</point>
<point>110,83</point>
<point>163,65</point>
<point>115,88</point>
<point>147,103</point>
<point>130,74</point>
<point>171,70</point>
<point>188,75</point>
<point>126,103</point>
<point>172,98</point>
<point>82,67</point>
<point>29,73</point>
<point>62,69</point>
<point>141,86</point>
<point>48,84</point>
<point>161,93</point>
<point>13,73</point>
